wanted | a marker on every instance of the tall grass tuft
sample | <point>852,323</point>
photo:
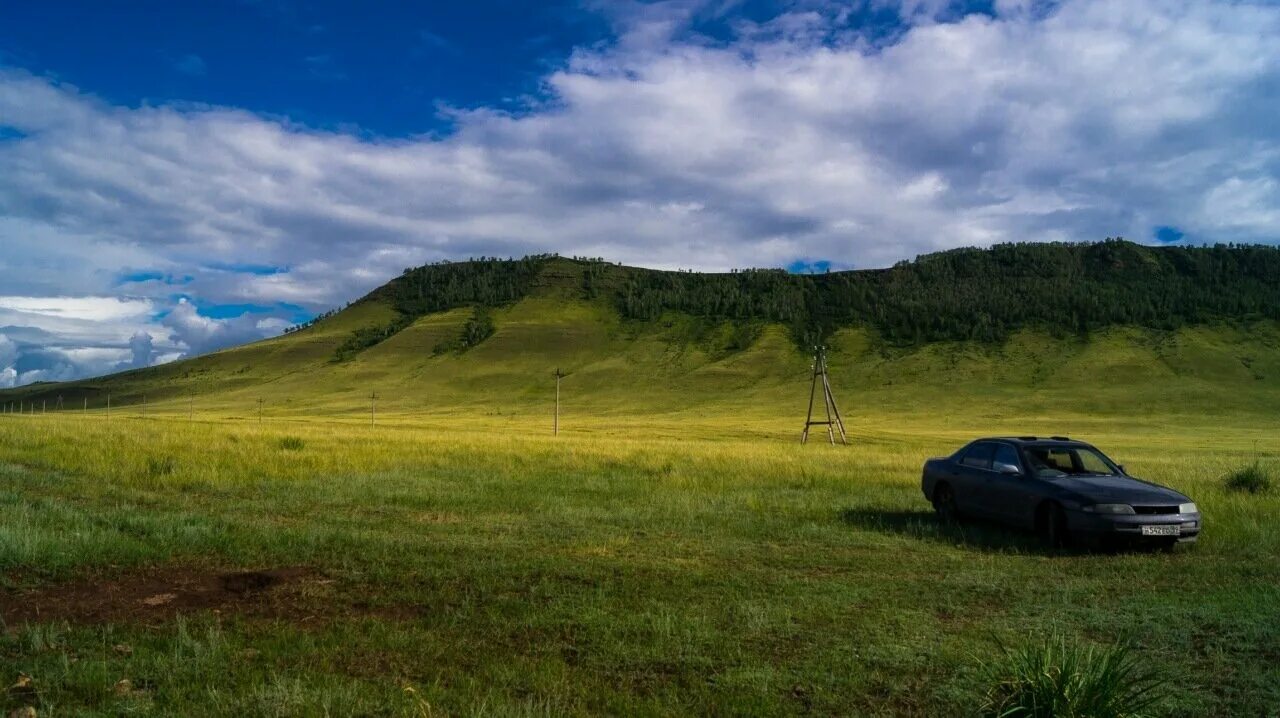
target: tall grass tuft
<point>158,466</point>
<point>1253,478</point>
<point>291,443</point>
<point>1061,679</point>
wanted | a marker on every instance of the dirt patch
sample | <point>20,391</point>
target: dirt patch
<point>155,596</point>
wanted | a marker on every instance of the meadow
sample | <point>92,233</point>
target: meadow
<point>469,563</point>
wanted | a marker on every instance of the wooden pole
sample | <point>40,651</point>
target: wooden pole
<point>555,422</point>
<point>826,404</point>
<point>108,406</point>
<point>191,407</point>
<point>259,410</point>
<point>844,438</point>
<point>813,388</point>
<point>373,408</point>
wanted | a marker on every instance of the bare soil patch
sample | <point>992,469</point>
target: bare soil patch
<point>157,595</point>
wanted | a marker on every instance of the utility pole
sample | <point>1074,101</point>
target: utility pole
<point>191,407</point>
<point>373,408</point>
<point>144,405</point>
<point>828,401</point>
<point>259,410</point>
<point>555,423</point>
<point>108,406</point>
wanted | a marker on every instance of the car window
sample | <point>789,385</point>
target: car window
<point>1006,459</point>
<point>1091,463</point>
<point>979,455</point>
<point>1050,461</point>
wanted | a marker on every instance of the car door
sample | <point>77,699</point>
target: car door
<point>971,477</point>
<point>1009,488</point>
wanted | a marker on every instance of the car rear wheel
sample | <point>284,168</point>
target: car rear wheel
<point>1053,526</point>
<point>944,503</point>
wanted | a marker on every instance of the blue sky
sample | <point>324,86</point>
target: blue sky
<point>377,68</point>
<point>178,177</point>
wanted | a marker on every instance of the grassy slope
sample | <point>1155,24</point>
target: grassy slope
<point>679,366</point>
<point>674,551</point>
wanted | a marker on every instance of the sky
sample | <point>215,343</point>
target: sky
<point>180,177</point>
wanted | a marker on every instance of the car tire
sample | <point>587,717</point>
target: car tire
<point>1053,526</point>
<point>944,504</point>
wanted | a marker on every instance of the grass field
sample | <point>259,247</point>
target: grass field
<point>470,564</point>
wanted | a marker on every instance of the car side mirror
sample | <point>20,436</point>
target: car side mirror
<point>1121,467</point>
<point>1010,470</point>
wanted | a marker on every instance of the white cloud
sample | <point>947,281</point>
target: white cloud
<point>60,338</point>
<point>799,137</point>
<point>200,334</point>
<point>94,309</point>
<point>142,350</point>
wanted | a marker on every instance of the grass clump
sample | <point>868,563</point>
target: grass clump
<point>1254,479</point>
<point>1061,679</point>
<point>291,443</point>
<point>158,466</point>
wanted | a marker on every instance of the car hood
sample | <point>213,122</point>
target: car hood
<point>1120,490</point>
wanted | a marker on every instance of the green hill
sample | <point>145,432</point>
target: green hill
<point>1106,328</point>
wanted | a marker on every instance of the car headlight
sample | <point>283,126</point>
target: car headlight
<point>1189,508</point>
<point>1109,509</point>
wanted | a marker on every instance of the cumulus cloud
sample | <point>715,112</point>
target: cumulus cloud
<point>8,357</point>
<point>8,351</point>
<point>200,334</point>
<point>62,338</point>
<point>143,350</point>
<point>802,136</point>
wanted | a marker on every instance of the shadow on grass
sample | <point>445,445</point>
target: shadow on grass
<point>970,533</point>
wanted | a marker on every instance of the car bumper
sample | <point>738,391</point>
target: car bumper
<point>1128,527</point>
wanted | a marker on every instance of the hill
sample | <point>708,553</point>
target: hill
<point>1110,327</point>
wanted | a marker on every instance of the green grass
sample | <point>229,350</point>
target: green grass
<point>601,572</point>
<point>1254,479</point>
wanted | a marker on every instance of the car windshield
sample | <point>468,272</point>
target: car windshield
<point>1051,461</point>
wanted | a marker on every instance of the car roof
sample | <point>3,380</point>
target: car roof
<point>1036,440</point>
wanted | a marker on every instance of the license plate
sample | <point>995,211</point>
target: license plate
<point>1161,530</point>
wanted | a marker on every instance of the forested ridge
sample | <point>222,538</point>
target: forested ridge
<point>963,294</point>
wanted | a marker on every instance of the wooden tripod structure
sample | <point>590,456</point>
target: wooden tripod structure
<point>833,422</point>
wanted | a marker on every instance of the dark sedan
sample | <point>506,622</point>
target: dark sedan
<point>1065,490</point>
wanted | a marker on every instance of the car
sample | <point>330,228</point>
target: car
<point>1065,490</point>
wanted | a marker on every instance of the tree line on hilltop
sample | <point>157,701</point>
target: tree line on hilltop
<point>963,294</point>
